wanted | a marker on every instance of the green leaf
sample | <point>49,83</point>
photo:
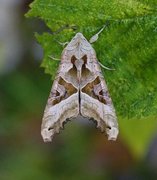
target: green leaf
<point>128,44</point>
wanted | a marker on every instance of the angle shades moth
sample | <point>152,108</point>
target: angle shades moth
<point>79,89</point>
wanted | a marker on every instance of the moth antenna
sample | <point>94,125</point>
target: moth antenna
<point>106,67</point>
<point>102,29</point>
<point>96,36</point>
<point>53,58</point>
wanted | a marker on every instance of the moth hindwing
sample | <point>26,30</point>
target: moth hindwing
<point>79,89</point>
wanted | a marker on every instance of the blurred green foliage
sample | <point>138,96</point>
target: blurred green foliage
<point>80,151</point>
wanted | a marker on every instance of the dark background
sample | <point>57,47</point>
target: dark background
<point>78,152</point>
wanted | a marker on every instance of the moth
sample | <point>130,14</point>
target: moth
<point>79,89</point>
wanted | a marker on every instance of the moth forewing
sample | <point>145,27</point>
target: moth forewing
<point>79,89</point>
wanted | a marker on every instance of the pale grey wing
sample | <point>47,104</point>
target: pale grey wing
<point>62,104</point>
<point>97,104</point>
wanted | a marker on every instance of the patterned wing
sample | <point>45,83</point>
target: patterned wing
<point>96,102</point>
<point>62,104</point>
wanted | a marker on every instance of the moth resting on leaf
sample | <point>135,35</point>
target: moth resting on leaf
<point>79,89</point>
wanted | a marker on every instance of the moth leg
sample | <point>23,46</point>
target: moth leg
<point>106,67</point>
<point>53,58</point>
<point>96,36</point>
<point>62,43</point>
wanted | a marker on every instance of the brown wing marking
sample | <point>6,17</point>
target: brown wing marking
<point>97,104</point>
<point>62,104</point>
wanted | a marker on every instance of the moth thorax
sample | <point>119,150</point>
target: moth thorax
<point>78,63</point>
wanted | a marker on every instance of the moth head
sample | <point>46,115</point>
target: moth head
<point>78,40</point>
